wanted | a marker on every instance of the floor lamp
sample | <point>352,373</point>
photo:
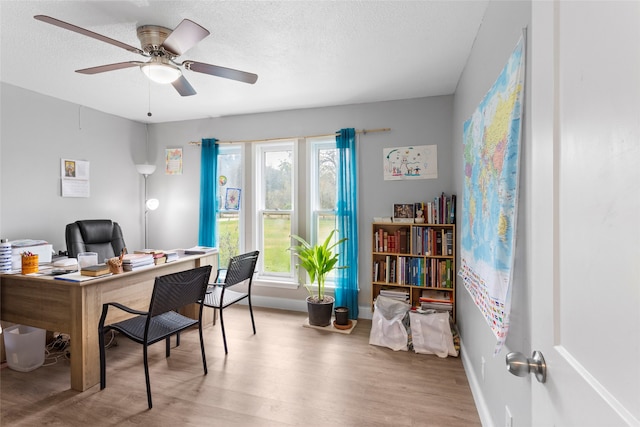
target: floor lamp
<point>149,204</point>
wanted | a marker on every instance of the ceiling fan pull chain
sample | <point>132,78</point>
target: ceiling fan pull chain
<point>149,113</point>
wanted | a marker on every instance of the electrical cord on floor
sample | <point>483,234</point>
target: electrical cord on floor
<point>58,349</point>
<point>112,342</point>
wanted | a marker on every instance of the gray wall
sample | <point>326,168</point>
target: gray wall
<point>57,129</point>
<point>423,121</point>
<point>36,132</point>
<point>501,28</point>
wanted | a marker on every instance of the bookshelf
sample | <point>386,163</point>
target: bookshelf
<point>415,262</point>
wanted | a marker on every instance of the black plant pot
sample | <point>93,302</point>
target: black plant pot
<point>342,316</point>
<point>320,311</point>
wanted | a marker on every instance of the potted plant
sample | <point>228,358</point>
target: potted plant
<point>318,261</point>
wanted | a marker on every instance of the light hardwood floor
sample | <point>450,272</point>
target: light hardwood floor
<point>284,375</point>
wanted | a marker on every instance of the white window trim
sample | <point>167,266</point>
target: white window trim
<point>289,280</point>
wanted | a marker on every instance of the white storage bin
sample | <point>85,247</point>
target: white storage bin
<point>24,346</point>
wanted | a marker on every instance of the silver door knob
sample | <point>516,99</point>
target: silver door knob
<point>520,365</point>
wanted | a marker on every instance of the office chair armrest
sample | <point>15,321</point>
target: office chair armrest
<point>105,306</point>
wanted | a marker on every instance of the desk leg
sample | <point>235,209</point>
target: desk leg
<point>85,357</point>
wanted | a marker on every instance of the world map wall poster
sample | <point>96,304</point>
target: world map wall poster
<point>491,140</point>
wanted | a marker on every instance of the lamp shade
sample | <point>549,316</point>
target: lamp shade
<point>146,169</point>
<point>160,70</point>
<point>152,204</point>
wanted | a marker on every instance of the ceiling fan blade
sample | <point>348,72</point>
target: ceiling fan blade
<point>183,87</point>
<point>84,32</point>
<point>215,70</point>
<point>185,36</point>
<point>109,67</point>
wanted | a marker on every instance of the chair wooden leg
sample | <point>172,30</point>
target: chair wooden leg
<point>168,346</point>
<point>146,375</point>
<point>224,337</point>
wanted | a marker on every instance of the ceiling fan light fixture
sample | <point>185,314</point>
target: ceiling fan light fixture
<point>160,70</point>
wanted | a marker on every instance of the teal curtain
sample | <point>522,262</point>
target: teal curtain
<point>347,222</point>
<point>207,234</point>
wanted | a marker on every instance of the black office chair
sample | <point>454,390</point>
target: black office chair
<point>161,321</point>
<point>102,236</point>
<point>219,295</point>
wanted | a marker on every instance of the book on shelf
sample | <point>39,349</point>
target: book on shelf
<point>199,250</point>
<point>95,270</point>
<point>434,295</point>
<point>388,269</point>
<point>442,210</point>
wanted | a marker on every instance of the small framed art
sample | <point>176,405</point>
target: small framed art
<point>403,212</point>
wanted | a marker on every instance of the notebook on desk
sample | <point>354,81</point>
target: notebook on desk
<point>199,250</point>
<point>77,277</point>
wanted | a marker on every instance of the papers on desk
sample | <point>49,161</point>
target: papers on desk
<point>171,256</point>
<point>133,262</point>
<point>199,250</point>
<point>77,277</point>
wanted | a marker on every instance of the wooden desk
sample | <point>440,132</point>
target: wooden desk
<point>75,307</point>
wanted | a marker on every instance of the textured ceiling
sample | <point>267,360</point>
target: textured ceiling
<point>306,53</point>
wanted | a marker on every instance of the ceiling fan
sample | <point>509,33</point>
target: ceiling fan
<point>162,46</point>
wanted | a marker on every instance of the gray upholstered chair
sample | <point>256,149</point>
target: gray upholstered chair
<point>102,236</point>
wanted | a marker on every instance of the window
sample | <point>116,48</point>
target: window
<point>323,190</point>
<point>275,205</point>
<point>230,224</point>
<point>269,212</point>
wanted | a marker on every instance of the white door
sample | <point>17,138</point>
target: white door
<point>585,211</point>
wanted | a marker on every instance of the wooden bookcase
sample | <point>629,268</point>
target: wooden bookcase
<point>416,259</point>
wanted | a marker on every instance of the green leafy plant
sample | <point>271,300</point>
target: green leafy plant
<point>317,260</point>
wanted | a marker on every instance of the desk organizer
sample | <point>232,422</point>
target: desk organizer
<point>29,264</point>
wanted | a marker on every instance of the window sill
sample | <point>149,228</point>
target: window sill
<point>275,283</point>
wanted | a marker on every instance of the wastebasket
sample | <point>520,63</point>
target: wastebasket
<point>24,346</point>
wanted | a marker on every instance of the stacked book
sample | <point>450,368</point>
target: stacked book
<point>432,299</point>
<point>133,262</point>
<point>159,257</point>
<point>398,294</point>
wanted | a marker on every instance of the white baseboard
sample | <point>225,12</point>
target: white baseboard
<point>296,305</point>
<point>476,390</point>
